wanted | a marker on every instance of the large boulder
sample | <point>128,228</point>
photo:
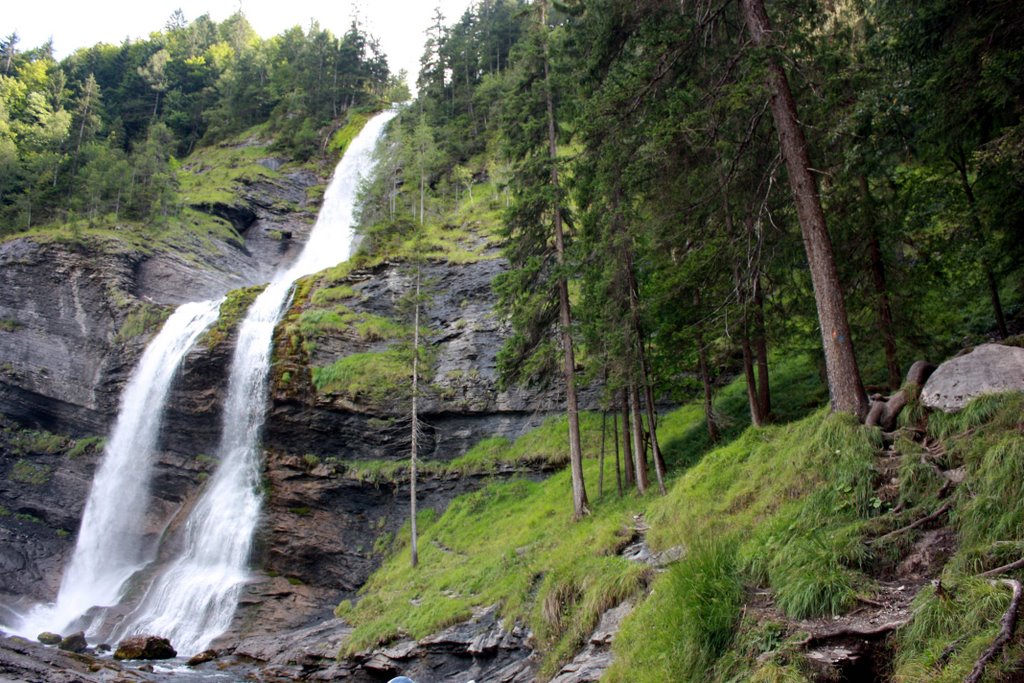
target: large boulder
<point>74,643</point>
<point>145,647</point>
<point>988,369</point>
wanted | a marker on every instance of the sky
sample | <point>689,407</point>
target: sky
<point>399,24</point>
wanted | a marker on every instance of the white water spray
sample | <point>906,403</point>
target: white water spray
<point>110,546</point>
<point>194,599</point>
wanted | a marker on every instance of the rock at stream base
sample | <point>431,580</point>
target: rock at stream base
<point>203,657</point>
<point>145,647</point>
<point>988,369</point>
<point>74,643</point>
<point>48,638</point>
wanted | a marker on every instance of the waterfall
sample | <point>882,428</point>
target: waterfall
<point>194,599</point>
<point>110,546</point>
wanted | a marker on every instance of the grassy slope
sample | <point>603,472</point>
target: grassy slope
<point>786,507</point>
<point>513,543</point>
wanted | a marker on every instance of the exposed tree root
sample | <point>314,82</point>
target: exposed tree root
<point>1016,564</point>
<point>1009,621</point>
<point>815,639</point>
<point>924,520</point>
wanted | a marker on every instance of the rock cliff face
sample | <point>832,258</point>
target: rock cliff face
<point>66,357</point>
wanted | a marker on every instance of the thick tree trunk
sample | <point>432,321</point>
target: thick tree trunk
<point>579,491</point>
<point>639,452</point>
<point>846,390</point>
<point>764,396</point>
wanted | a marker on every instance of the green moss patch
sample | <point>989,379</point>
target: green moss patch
<point>232,312</point>
<point>373,376</point>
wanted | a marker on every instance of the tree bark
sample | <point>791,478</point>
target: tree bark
<point>846,389</point>
<point>756,418</point>
<point>705,376</point>
<point>764,396</point>
<point>884,307</point>
<point>579,491</point>
<point>639,452</point>
<point>415,425</point>
<point>600,460</point>
<point>990,278</point>
<point>627,452</point>
<point>615,440</point>
<point>652,421</point>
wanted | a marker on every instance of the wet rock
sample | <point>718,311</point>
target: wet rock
<point>48,638</point>
<point>477,649</point>
<point>29,662</point>
<point>591,663</point>
<point>145,647</point>
<point>74,642</point>
<point>203,657</point>
<point>988,369</point>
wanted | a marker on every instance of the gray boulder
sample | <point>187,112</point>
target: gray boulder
<point>988,369</point>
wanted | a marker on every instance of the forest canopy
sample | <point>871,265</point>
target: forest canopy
<point>98,133</point>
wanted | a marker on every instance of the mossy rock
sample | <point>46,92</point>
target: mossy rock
<point>48,638</point>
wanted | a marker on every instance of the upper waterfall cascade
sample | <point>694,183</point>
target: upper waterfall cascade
<point>194,599</point>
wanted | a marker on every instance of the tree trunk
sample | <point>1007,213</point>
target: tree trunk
<point>615,440</point>
<point>885,324</point>
<point>756,418</point>
<point>600,459</point>
<point>415,424</point>
<point>846,389</point>
<point>639,452</point>
<point>997,306</point>
<point>990,278</point>
<point>627,451</point>
<point>884,307</point>
<point>423,189</point>
<point>705,376</point>
<point>652,421</point>
<point>764,396</point>
<point>579,491</point>
<point>638,342</point>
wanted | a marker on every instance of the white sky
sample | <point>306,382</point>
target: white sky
<point>399,24</point>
